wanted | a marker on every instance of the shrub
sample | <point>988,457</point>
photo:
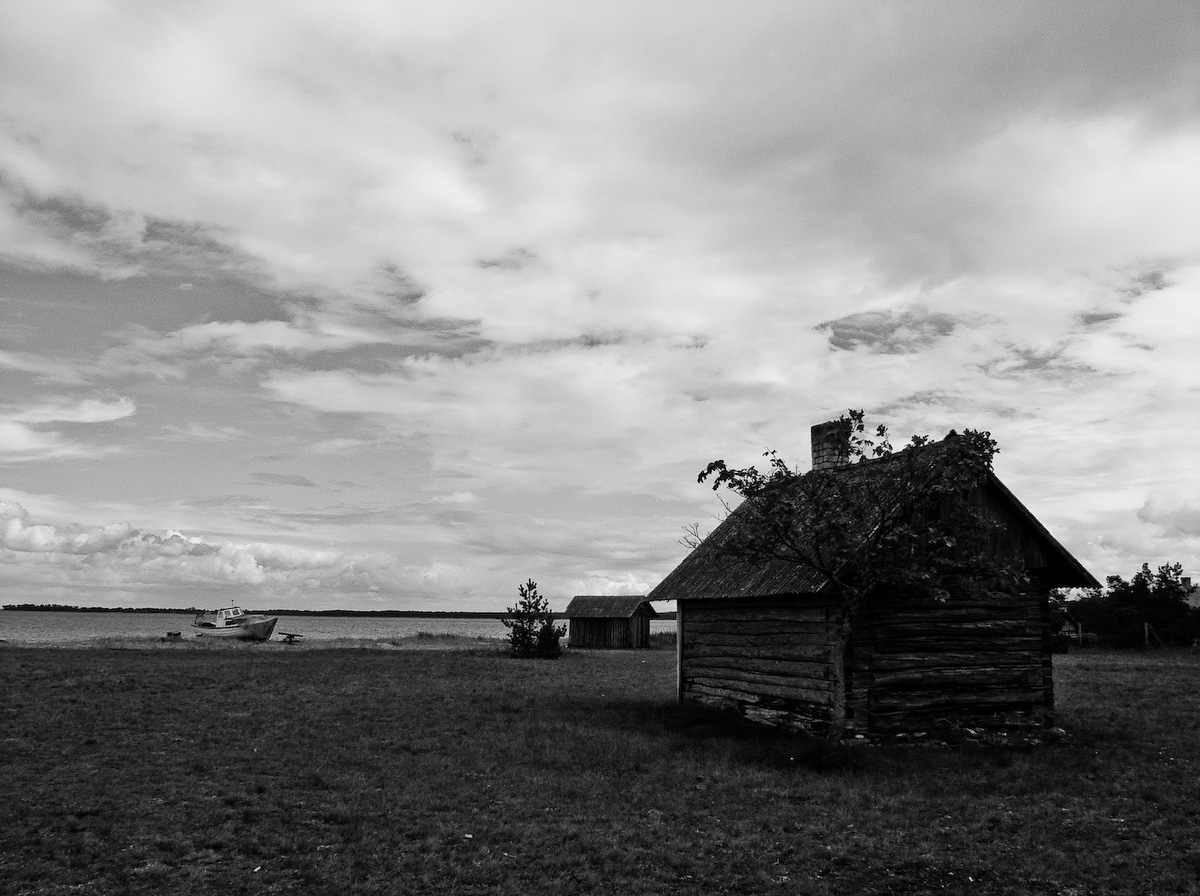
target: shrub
<point>530,624</point>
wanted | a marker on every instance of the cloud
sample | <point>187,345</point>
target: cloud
<point>195,432</point>
<point>67,230</point>
<point>308,331</point>
<point>1097,318</point>
<point>889,332</point>
<point>45,368</point>
<point>22,441</point>
<point>120,553</point>
<point>1175,519</point>
<point>339,446</point>
<point>283,479</point>
<point>19,534</point>
<point>513,260</point>
<point>87,411</point>
<point>1148,281</point>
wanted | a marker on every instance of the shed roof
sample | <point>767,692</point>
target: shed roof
<point>606,606</point>
<point>713,571</point>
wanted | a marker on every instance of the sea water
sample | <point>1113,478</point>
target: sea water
<point>60,627</point>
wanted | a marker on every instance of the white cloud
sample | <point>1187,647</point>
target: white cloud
<point>199,433</point>
<point>19,442</point>
<point>119,553</point>
<point>1177,518</point>
<point>42,367</point>
<point>22,441</point>
<point>87,411</point>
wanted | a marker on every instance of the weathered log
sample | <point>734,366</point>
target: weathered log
<point>750,684</point>
<point>986,676</point>
<point>746,704</point>
<point>712,691</point>
<point>782,718</point>
<point>813,670</point>
<point>948,700</point>
<point>923,660</point>
<point>761,627</point>
<point>956,614</point>
<point>937,628</point>
<point>802,651</point>
<point>965,643</point>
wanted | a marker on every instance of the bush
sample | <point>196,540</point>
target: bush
<point>532,632</point>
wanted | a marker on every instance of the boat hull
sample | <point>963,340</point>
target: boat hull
<point>259,629</point>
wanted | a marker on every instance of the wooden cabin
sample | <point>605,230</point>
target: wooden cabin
<point>760,636</point>
<point>608,621</point>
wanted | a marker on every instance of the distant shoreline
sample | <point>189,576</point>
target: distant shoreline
<point>393,614</point>
<point>440,614</point>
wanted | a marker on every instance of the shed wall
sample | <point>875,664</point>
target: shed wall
<point>918,666</point>
<point>768,659</point>
<point>911,666</point>
<point>609,633</point>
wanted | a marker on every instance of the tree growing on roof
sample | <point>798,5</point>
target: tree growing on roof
<point>916,531</point>
<point>530,624</point>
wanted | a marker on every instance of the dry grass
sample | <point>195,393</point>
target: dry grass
<point>349,770</point>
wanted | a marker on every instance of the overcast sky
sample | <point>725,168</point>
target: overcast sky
<point>401,304</point>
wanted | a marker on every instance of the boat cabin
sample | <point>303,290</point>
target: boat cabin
<point>222,618</point>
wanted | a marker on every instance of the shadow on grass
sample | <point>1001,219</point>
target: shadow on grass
<point>726,737</point>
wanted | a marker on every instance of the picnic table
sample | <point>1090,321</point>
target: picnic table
<point>290,637</point>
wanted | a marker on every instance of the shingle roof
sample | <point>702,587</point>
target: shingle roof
<point>605,606</point>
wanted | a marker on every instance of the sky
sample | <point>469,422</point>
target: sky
<point>397,305</point>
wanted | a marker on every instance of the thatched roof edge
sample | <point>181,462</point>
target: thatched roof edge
<point>606,606</point>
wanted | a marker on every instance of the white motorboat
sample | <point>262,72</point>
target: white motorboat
<point>234,622</point>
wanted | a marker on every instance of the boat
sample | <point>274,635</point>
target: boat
<point>234,622</point>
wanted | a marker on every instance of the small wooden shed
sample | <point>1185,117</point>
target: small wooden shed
<point>609,621</point>
<point>759,636</point>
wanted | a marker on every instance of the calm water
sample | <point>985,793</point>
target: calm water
<point>36,627</point>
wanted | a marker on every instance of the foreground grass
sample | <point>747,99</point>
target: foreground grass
<point>389,771</point>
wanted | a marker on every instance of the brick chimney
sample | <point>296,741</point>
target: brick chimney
<point>831,445</point>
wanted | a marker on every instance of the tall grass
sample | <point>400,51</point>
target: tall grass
<point>465,771</point>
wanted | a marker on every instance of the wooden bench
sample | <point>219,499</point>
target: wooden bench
<point>290,637</point>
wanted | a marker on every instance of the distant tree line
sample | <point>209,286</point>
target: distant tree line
<point>396,614</point>
<point>68,608</point>
<point>403,614</point>
<point>1119,613</point>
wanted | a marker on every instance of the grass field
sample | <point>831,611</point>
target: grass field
<point>271,769</point>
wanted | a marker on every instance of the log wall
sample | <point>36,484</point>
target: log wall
<point>768,659</point>
<point>909,666</point>
<point>984,661</point>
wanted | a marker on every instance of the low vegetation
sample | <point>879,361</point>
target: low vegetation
<point>1150,608</point>
<point>183,769</point>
